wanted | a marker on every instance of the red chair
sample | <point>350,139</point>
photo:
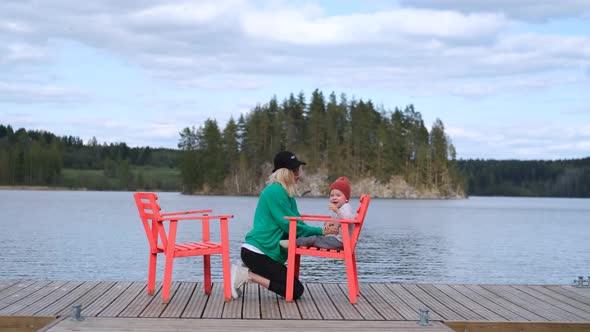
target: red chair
<point>349,240</point>
<point>162,242</point>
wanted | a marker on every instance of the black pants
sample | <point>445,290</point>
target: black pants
<point>266,267</point>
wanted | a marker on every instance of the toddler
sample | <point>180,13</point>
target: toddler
<point>341,209</point>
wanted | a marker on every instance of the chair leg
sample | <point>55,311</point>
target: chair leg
<point>292,267</point>
<point>207,273</point>
<point>152,274</point>
<point>167,279</point>
<point>350,275</point>
<point>352,287</point>
<point>356,274</point>
<point>226,268</point>
<point>297,261</point>
<point>225,263</point>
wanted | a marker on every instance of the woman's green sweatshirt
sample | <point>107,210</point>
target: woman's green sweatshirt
<point>269,226</point>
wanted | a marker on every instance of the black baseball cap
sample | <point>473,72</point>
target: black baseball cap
<point>286,159</point>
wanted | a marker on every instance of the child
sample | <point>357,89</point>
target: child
<point>339,197</point>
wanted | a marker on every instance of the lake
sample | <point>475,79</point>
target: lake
<point>84,235</point>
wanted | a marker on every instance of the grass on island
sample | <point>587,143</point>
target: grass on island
<point>138,178</point>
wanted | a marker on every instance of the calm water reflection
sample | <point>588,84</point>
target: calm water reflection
<point>70,235</point>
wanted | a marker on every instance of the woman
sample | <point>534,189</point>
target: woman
<point>261,253</point>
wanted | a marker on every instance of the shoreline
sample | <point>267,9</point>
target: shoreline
<point>40,188</point>
<point>304,195</point>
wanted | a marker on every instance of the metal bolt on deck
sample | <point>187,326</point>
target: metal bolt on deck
<point>424,319</point>
<point>581,283</point>
<point>77,312</point>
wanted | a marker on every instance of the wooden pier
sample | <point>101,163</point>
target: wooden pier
<point>123,305</point>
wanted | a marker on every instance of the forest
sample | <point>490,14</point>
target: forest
<point>335,135</point>
<point>40,158</point>
<point>536,178</point>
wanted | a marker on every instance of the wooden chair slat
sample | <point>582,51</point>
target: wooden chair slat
<point>163,241</point>
<point>347,253</point>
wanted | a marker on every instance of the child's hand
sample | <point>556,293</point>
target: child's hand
<point>330,229</point>
<point>333,207</point>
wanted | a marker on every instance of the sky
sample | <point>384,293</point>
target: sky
<point>510,79</point>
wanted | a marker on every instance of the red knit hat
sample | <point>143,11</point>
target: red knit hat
<point>343,184</point>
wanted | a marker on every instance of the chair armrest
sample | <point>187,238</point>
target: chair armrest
<point>185,212</point>
<point>315,216</point>
<point>323,219</point>
<point>229,216</point>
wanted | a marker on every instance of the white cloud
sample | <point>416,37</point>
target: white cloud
<point>522,142</point>
<point>228,43</point>
<point>473,49</point>
<point>382,27</point>
<point>10,92</point>
<point>17,27</point>
<point>22,52</point>
<point>531,10</point>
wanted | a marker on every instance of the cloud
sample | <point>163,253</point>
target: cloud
<point>521,142</point>
<point>295,28</point>
<point>528,10</point>
<point>471,49</point>
<point>16,27</point>
<point>238,45</point>
<point>22,52</point>
<point>17,93</point>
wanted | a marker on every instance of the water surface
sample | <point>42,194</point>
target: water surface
<point>75,235</point>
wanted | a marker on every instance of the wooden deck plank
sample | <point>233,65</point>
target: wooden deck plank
<point>21,292</point>
<point>450,302</point>
<point>552,307</point>
<point>466,302</point>
<point>582,314</point>
<point>233,308</point>
<point>216,304</point>
<point>363,306</point>
<point>15,287</point>
<point>121,302</point>
<point>196,303</point>
<point>66,300</point>
<point>505,314</point>
<point>569,300</point>
<point>141,301</point>
<point>5,283</point>
<point>51,298</point>
<point>526,301</point>
<point>106,299</point>
<point>323,303</point>
<point>567,291</point>
<point>156,307</point>
<point>214,308</point>
<point>251,306</point>
<point>501,301</point>
<point>180,300</point>
<point>269,306</point>
<point>88,298</point>
<point>98,324</point>
<point>289,310</point>
<point>341,302</point>
<point>432,303</point>
<point>32,299</point>
<point>307,307</point>
<point>584,291</point>
<point>25,324</point>
<point>385,302</point>
<point>412,301</point>
<point>496,304</point>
